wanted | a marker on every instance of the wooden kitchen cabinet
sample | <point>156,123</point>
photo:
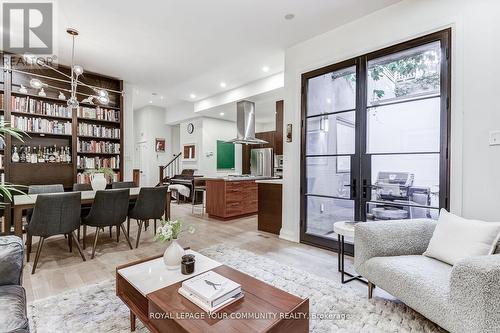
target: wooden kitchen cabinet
<point>228,199</point>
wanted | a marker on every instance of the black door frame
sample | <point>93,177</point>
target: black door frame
<point>360,177</point>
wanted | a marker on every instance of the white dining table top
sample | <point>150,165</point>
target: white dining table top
<point>30,199</point>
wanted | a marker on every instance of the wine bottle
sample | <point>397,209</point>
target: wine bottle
<point>15,155</point>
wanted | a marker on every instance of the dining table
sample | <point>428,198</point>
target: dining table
<point>22,202</point>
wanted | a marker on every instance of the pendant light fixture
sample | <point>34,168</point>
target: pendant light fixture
<point>99,94</point>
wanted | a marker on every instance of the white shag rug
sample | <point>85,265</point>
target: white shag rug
<point>96,308</point>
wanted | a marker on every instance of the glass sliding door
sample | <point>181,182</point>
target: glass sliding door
<point>375,138</point>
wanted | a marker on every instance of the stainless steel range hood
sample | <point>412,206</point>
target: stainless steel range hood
<point>245,124</point>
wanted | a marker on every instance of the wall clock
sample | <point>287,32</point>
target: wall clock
<point>190,128</point>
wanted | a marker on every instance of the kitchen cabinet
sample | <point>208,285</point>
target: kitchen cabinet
<point>270,206</point>
<point>230,199</point>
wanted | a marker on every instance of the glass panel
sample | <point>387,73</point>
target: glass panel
<point>328,176</point>
<point>404,127</point>
<point>322,213</point>
<point>331,135</point>
<point>406,178</point>
<point>407,74</point>
<point>332,92</point>
<point>376,211</point>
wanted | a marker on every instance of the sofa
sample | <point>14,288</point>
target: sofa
<point>460,298</point>
<point>13,316</point>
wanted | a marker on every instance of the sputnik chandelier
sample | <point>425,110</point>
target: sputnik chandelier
<point>99,94</point>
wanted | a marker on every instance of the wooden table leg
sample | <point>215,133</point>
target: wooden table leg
<point>132,321</point>
<point>18,221</point>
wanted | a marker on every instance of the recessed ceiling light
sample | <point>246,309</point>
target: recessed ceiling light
<point>223,84</point>
<point>150,102</point>
<point>161,97</point>
<point>289,16</point>
<point>265,69</point>
<point>192,95</point>
<point>221,114</point>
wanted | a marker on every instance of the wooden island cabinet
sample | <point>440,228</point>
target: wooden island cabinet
<point>231,198</point>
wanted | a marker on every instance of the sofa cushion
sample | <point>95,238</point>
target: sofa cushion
<point>420,282</point>
<point>13,309</point>
<point>11,260</point>
<point>456,238</point>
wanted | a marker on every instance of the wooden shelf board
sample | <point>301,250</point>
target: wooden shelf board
<point>34,115</point>
<point>83,119</point>
<point>98,138</point>
<point>62,101</point>
<point>90,153</point>
<point>48,134</point>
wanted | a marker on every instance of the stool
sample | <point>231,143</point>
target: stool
<point>198,189</point>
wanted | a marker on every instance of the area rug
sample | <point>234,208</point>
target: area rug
<point>337,307</point>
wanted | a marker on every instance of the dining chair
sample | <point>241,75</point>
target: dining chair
<point>40,189</point>
<point>109,209</point>
<point>116,185</point>
<point>82,187</point>
<point>150,204</point>
<point>54,214</point>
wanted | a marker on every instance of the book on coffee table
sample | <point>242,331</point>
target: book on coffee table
<point>210,289</point>
<point>196,300</point>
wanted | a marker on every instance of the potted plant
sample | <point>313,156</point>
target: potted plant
<point>170,231</point>
<point>98,177</point>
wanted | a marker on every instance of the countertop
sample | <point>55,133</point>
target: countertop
<point>238,179</point>
<point>277,181</point>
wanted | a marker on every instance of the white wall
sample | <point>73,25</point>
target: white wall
<point>149,124</point>
<point>475,105</point>
<point>206,133</point>
<point>128,135</point>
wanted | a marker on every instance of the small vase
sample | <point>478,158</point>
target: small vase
<point>173,255</point>
<point>98,182</point>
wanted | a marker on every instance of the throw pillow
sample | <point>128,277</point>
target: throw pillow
<point>457,238</point>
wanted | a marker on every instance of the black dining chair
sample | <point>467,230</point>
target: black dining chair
<point>109,209</point>
<point>150,205</point>
<point>116,185</point>
<point>82,187</point>
<point>54,214</point>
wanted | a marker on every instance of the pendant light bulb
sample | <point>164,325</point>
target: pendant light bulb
<point>101,93</point>
<point>30,58</point>
<point>78,70</point>
<point>103,99</point>
<point>36,83</point>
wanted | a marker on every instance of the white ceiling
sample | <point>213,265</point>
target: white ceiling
<point>265,107</point>
<point>178,47</point>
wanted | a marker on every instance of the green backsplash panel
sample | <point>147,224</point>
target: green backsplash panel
<point>225,155</point>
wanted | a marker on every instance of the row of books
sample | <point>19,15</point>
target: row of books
<point>84,162</point>
<point>98,131</point>
<point>82,178</point>
<point>40,125</point>
<point>99,113</point>
<point>33,106</point>
<point>93,146</point>
<point>211,291</point>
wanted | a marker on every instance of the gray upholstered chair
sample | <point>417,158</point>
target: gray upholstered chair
<point>41,189</point>
<point>13,316</point>
<point>54,214</point>
<point>82,187</point>
<point>150,205</point>
<point>109,209</point>
<point>460,298</point>
<point>116,185</point>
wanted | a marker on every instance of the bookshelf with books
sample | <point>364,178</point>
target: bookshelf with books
<point>90,136</point>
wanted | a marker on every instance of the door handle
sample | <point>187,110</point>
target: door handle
<point>353,188</point>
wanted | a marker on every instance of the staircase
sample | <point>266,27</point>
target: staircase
<point>171,169</point>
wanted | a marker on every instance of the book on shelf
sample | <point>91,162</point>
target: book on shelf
<point>85,162</point>
<point>211,289</point>
<point>98,113</point>
<point>82,178</point>
<point>98,131</point>
<point>41,125</point>
<point>34,106</point>
<point>101,147</point>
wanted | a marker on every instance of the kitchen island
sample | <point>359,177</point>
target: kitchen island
<point>231,197</point>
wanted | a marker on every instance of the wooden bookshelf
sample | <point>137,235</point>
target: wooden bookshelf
<point>52,173</point>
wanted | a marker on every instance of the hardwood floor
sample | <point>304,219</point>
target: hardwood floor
<point>58,270</point>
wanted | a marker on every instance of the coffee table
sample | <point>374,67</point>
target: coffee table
<point>150,292</point>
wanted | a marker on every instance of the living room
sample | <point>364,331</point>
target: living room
<point>249,166</point>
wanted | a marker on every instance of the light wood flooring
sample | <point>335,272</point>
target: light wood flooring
<point>58,270</point>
